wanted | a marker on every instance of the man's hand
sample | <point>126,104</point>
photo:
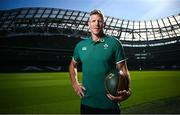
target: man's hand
<point>122,95</point>
<point>79,89</point>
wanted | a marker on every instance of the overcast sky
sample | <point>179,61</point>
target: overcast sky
<point>123,9</point>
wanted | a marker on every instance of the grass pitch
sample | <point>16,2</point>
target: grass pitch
<point>53,93</point>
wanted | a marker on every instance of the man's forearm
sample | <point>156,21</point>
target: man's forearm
<point>73,73</point>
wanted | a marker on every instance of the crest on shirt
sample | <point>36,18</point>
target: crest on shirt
<point>105,46</point>
<point>84,48</point>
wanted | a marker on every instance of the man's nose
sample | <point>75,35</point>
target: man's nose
<point>97,23</point>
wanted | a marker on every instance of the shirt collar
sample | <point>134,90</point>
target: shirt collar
<point>101,40</point>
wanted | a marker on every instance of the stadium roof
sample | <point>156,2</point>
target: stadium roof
<point>52,21</point>
<point>123,9</point>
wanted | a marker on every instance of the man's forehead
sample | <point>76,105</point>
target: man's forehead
<point>95,17</point>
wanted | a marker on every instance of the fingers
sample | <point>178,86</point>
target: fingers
<point>83,88</point>
<point>110,96</point>
<point>125,93</point>
<point>80,91</point>
<point>122,95</point>
<point>114,98</point>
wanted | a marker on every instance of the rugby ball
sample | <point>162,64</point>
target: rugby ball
<point>115,82</point>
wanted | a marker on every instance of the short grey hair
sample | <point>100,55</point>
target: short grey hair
<point>97,12</point>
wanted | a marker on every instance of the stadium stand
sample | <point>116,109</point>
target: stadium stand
<point>43,39</point>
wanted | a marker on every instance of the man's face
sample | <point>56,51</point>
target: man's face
<point>96,24</point>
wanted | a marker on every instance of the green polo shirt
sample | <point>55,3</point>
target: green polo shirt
<point>98,58</point>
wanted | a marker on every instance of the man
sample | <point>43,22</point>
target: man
<point>99,54</point>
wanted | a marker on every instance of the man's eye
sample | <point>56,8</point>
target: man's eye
<point>93,20</point>
<point>97,21</point>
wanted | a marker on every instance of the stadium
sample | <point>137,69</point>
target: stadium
<point>39,43</point>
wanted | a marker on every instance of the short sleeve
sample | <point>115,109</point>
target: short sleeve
<point>119,52</point>
<point>76,57</point>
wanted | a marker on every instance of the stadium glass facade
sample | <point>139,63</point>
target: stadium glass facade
<point>144,41</point>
